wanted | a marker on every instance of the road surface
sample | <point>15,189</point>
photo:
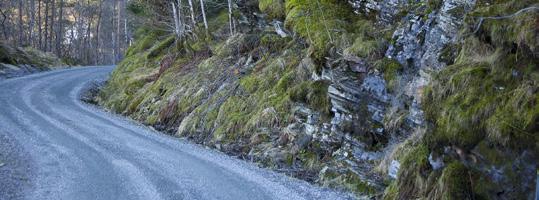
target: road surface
<point>53,146</point>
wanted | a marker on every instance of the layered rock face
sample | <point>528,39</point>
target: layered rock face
<point>482,165</point>
<point>390,99</point>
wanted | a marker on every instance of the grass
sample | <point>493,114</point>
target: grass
<point>320,22</point>
<point>274,8</point>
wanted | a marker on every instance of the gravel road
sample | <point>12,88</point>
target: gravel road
<point>53,146</point>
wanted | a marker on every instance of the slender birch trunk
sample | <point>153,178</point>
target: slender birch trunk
<point>193,21</point>
<point>176,21</point>
<point>230,20</point>
<point>204,14</point>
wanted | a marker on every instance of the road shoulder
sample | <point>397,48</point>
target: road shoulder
<point>15,168</point>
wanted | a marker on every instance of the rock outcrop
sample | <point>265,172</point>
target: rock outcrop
<point>390,99</point>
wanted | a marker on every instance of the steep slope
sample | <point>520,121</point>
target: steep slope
<point>430,98</point>
<point>20,61</point>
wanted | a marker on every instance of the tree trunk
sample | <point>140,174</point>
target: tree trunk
<point>21,28</point>
<point>46,38</point>
<point>193,22</point>
<point>113,36</point>
<point>4,18</point>
<point>31,37</point>
<point>73,36</point>
<point>87,42</point>
<point>126,31</point>
<point>203,14</point>
<point>180,17</point>
<point>176,21</point>
<point>60,31</point>
<point>79,29</point>
<point>53,17</point>
<point>39,34</point>
<point>230,17</point>
<point>98,25</point>
<point>118,31</point>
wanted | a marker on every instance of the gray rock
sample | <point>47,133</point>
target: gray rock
<point>436,163</point>
<point>420,42</point>
<point>393,169</point>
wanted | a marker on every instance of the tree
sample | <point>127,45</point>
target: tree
<point>98,31</point>
<point>4,28</point>
<point>46,38</point>
<point>32,22</point>
<point>21,23</point>
<point>39,24</point>
<point>230,20</point>
<point>204,14</point>
<point>53,18</point>
<point>60,30</point>
<point>192,9</point>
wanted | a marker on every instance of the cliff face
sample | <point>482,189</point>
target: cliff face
<point>387,98</point>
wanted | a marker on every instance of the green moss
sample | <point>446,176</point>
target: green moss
<point>299,92</point>
<point>237,44</point>
<point>274,8</point>
<point>152,119</point>
<point>289,159</point>
<point>313,93</point>
<point>454,182</point>
<point>390,68</point>
<point>274,42</point>
<point>347,179</point>
<point>354,183</point>
<point>434,5</point>
<point>412,178</point>
<point>250,83</point>
<point>233,115</point>
<point>161,46</point>
<point>28,56</point>
<point>418,156</point>
<point>145,43</point>
<point>285,82</point>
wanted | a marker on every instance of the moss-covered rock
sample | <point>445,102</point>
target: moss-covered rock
<point>483,113</point>
<point>17,61</point>
<point>391,69</point>
<point>274,8</point>
<point>263,97</point>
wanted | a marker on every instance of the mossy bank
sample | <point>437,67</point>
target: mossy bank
<point>17,61</point>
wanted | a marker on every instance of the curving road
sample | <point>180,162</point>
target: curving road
<point>52,146</point>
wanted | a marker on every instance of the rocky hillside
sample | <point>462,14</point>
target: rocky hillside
<point>15,61</point>
<point>392,99</point>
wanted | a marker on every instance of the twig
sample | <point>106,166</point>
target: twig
<point>481,19</point>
